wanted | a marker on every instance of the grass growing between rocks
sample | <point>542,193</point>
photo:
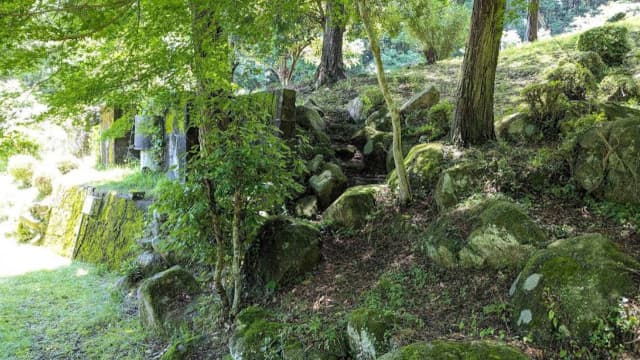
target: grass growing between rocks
<point>67,313</point>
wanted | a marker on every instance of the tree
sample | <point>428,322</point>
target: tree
<point>440,26</point>
<point>331,68</point>
<point>473,120</point>
<point>533,11</point>
<point>364,9</point>
<point>179,54</point>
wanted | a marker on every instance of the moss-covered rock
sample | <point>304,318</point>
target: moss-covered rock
<point>379,120</point>
<point>423,100</point>
<point>564,290</point>
<point>607,161</point>
<point>284,249</point>
<point>328,184</point>
<point>310,119</point>
<point>162,297</point>
<point>519,128</point>
<point>467,350</point>
<point>424,164</point>
<point>458,182</point>
<point>307,207</point>
<point>375,149</point>
<point>255,337</point>
<point>66,213</point>
<point>489,231</point>
<point>353,207</point>
<point>367,333</point>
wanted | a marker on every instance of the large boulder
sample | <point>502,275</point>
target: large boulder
<point>162,297</point>
<point>457,183</point>
<point>519,128</point>
<point>328,184</point>
<point>456,350</point>
<point>483,232</point>
<point>606,161</point>
<point>567,289</point>
<point>355,109</point>
<point>424,164</point>
<point>255,337</point>
<point>284,249</point>
<point>310,119</point>
<point>353,207</point>
<point>366,333</point>
<point>421,101</point>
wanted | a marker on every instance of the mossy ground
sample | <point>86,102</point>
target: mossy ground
<point>67,313</point>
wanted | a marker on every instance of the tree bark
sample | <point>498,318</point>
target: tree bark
<point>331,68</point>
<point>430,55</point>
<point>237,252</point>
<point>532,20</point>
<point>404,192</point>
<point>473,121</point>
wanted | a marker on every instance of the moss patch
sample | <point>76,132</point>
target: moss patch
<point>490,231</point>
<point>476,350</point>
<point>424,164</point>
<point>354,206</point>
<point>566,289</point>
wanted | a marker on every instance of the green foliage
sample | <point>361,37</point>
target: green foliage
<point>66,165</point>
<point>547,103</point>
<point>592,61</point>
<point>574,79</point>
<point>610,42</point>
<point>617,17</point>
<point>372,99</point>
<point>43,181</point>
<point>188,221</point>
<point>623,214</point>
<point>14,143</point>
<point>619,87</point>
<point>21,168</point>
<point>441,115</point>
<point>441,26</point>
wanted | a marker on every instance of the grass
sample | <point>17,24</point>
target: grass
<point>518,67</point>
<point>67,313</point>
<point>131,180</point>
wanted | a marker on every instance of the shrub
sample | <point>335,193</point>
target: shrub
<point>440,115</point>
<point>20,167</point>
<point>13,143</point>
<point>440,30</point>
<point>610,42</point>
<point>43,181</point>
<point>372,99</point>
<point>617,17</point>
<point>66,165</point>
<point>592,61</point>
<point>574,79</point>
<point>547,103</point>
<point>619,87</point>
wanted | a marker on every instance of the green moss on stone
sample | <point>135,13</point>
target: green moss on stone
<point>64,221</point>
<point>353,207</point>
<point>489,231</point>
<point>423,164</point>
<point>255,337</point>
<point>445,350</point>
<point>579,279</point>
<point>367,331</point>
<point>284,249</point>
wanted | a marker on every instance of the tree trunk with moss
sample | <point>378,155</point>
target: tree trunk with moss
<point>209,44</point>
<point>473,121</point>
<point>398,157</point>
<point>532,20</point>
<point>331,68</point>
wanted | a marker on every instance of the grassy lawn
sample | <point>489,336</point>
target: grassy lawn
<point>68,313</point>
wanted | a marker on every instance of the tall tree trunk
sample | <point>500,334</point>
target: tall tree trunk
<point>532,20</point>
<point>237,252</point>
<point>210,47</point>
<point>473,121</point>
<point>331,68</point>
<point>396,147</point>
